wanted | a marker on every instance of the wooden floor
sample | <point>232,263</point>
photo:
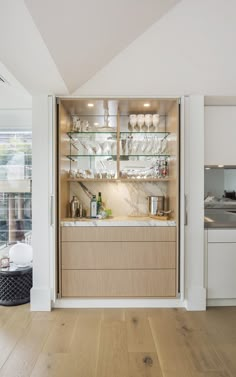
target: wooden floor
<point>117,343</point>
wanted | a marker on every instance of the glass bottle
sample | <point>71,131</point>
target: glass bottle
<point>99,202</point>
<point>93,207</point>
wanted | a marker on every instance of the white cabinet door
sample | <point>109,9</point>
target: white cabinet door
<point>220,135</point>
<point>221,270</point>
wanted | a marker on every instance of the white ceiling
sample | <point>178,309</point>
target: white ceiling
<point>24,53</point>
<point>190,51</point>
<point>82,36</point>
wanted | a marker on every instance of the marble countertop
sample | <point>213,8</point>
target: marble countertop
<point>118,221</point>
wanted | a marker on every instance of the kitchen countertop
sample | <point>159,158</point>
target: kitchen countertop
<point>117,221</point>
<point>220,218</point>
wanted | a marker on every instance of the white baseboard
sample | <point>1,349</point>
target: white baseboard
<point>196,299</point>
<point>40,299</point>
<point>118,303</point>
<point>221,302</point>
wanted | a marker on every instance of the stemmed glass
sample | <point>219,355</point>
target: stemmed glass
<point>132,122</point>
<point>155,121</point>
<point>140,122</point>
<point>150,145</point>
<point>148,122</point>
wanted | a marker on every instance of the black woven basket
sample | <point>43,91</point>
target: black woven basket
<point>15,286</point>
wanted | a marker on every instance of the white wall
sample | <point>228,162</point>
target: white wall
<point>12,119</point>
<point>195,293</point>
<point>220,135</point>
<point>41,227</point>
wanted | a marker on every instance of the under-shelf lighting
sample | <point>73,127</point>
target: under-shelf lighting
<point>207,168</point>
<point>146,104</point>
<point>220,166</point>
<point>90,105</point>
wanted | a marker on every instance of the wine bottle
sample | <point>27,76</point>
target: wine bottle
<point>99,202</point>
<point>93,207</point>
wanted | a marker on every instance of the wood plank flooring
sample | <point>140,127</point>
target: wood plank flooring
<point>117,343</point>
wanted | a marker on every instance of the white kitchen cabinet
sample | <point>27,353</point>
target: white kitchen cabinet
<point>221,264</point>
<point>220,135</point>
<point>221,270</point>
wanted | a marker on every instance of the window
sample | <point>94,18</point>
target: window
<point>15,186</point>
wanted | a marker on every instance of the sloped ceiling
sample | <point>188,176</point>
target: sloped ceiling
<point>82,36</point>
<point>190,50</point>
<point>24,53</point>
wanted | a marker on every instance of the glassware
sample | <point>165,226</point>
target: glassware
<point>155,121</point>
<point>123,146</point>
<point>132,122</point>
<point>148,122</point>
<point>140,121</point>
<point>164,144</point>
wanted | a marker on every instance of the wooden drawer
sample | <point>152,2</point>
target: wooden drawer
<point>118,283</point>
<point>118,255</point>
<point>95,234</point>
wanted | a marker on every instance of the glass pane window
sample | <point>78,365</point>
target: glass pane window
<point>15,186</point>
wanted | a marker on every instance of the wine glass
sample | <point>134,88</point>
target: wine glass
<point>155,121</point>
<point>140,121</point>
<point>164,144</point>
<point>123,146</point>
<point>132,122</point>
<point>150,145</point>
<point>148,121</point>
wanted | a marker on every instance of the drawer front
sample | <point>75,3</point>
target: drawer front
<point>118,255</point>
<point>118,283</point>
<point>222,235</point>
<point>95,234</point>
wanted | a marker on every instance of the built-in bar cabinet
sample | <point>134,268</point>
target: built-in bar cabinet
<point>127,149</point>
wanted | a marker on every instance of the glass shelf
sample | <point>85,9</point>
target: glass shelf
<point>167,179</point>
<point>73,157</point>
<point>159,133</point>
<point>145,155</point>
<point>116,115</point>
<point>164,133</point>
<point>71,133</point>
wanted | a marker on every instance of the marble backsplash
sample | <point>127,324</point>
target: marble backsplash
<point>124,199</point>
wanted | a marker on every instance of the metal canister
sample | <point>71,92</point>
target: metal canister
<point>155,204</point>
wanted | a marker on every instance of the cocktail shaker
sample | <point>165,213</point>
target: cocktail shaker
<point>74,206</point>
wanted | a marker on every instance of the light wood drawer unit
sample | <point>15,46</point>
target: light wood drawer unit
<point>118,283</point>
<point>114,234</point>
<point>118,255</point>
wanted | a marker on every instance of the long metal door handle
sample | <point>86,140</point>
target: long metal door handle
<point>51,210</point>
<point>185,211</point>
